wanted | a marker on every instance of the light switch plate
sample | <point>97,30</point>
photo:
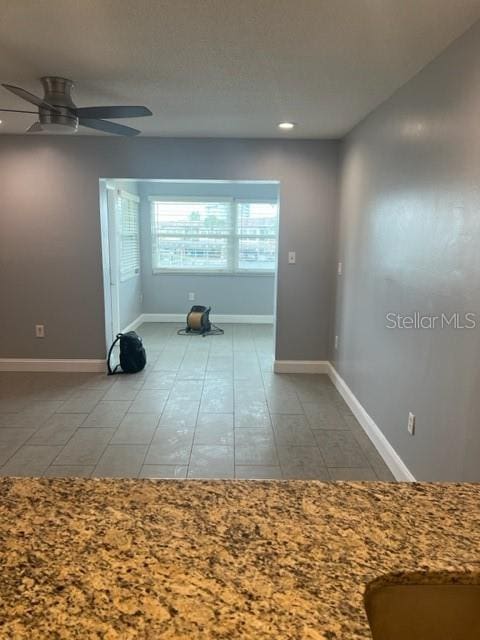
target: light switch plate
<point>39,331</point>
<point>292,258</point>
<point>411,424</point>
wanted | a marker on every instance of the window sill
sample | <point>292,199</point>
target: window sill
<point>229,274</point>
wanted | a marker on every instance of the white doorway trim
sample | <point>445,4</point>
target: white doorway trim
<point>114,244</point>
<point>110,248</point>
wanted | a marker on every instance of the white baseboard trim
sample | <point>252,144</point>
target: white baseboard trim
<point>301,366</point>
<point>52,364</point>
<point>215,317</point>
<point>383,446</point>
<point>134,324</point>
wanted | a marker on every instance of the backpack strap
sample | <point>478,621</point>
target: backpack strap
<point>110,371</point>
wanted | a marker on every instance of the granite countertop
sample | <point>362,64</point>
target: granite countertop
<point>220,559</point>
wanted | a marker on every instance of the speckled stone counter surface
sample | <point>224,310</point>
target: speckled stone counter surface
<point>220,559</point>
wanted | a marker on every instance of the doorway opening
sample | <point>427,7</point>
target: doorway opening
<point>171,244</point>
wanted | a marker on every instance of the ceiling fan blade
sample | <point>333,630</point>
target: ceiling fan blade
<point>19,111</point>
<point>29,97</point>
<point>112,112</point>
<point>35,128</point>
<point>108,127</point>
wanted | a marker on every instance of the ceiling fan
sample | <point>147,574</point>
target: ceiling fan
<point>57,113</point>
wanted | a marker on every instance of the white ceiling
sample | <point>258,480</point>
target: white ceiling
<point>226,67</point>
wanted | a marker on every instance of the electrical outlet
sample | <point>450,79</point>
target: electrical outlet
<point>340,268</point>
<point>191,296</point>
<point>411,424</point>
<point>336,342</point>
<point>39,330</point>
<point>292,257</point>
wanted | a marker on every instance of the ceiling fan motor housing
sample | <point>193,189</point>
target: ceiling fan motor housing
<point>58,93</point>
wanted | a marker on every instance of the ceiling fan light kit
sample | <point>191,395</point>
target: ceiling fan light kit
<point>57,113</point>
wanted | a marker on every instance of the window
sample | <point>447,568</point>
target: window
<point>214,236</point>
<point>128,217</point>
<point>256,236</point>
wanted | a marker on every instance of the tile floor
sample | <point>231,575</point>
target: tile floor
<point>202,408</point>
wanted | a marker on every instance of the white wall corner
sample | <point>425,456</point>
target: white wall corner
<point>380,442</point>
<point>53,365</point>
<point>301,366</point>
<point>134,324</point>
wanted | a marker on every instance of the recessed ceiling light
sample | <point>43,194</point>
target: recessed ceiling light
<point>0,122</point>
<point>286,125</point>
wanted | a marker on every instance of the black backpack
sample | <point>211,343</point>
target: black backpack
<point>132,353</point>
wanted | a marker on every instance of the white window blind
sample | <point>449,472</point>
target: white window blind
<point>129,231</point>
<point>224,236</point>
<point>192,235</point>
<point>257,224</point>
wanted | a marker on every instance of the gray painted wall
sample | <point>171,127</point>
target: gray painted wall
<point>50,246</point>
<point>237,294</point>
<point>130,300</point>
<point>409,238</point>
